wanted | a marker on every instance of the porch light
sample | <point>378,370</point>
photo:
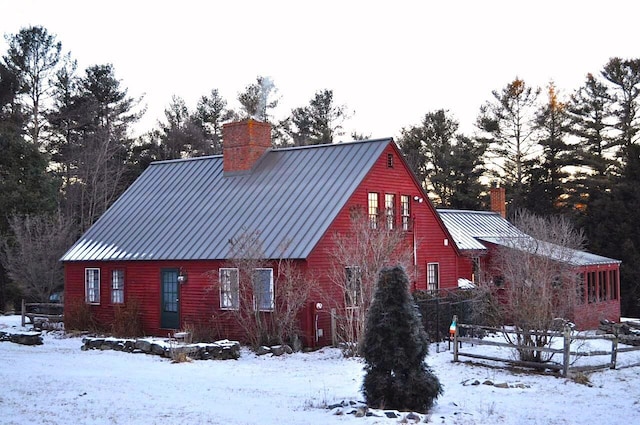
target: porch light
<point>182,276</point>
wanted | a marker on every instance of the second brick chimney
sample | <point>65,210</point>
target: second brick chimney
<point>243,143</point>
<point>498,200</point>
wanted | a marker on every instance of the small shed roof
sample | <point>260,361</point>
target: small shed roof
<point>189,210</point>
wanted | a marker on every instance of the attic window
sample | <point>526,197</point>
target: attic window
<point>389,160</point>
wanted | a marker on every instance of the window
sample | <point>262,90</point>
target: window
<point>390,210</point>
<point>353,286</point>
<point>263,289</point>
<point>580,288</point>
<point>117,286</point>
<point>613,284</point>
<point>405,211</point>
<point>389,160</point>
<point>602,285</point>
<point>373,210</point>
<point>229,289</point>
<point>433,276</point>
<point>591,287</point>
<point>92,286</point>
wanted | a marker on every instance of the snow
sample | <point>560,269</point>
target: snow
<point>57,383</point>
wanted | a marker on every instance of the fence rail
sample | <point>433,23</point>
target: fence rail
<point>39,314</point>
<point>565,367</point>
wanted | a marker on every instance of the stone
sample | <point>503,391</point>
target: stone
<point>502,385</point>
<point>390,415</point>
<point>262,350</point>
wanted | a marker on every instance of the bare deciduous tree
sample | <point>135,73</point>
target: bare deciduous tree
<point>541,284</point>
<point>357,257</point>
<point>31,254</point>
<point>264,320</point>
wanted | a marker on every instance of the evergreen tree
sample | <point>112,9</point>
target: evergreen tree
<point>549,174</point>
<point>33,56</point>
<point>394,348</point>
<point>507,125</point>
<point>624,76</point>
<point>317,123</point>
<point>257,99</point>
<point>447,163</point>
<point>611,229</point>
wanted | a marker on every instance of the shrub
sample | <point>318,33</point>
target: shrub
<point>126,320</point>
<point>78,317</point>
<point>394,348</point>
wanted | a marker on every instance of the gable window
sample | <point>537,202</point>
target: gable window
<point>433,276</point>
<point>390,210</point>
<point>229,289</point>
<point>389,160</point>
<point>263,299</point>
<point>405,211</point>
<point>373,209</point>
<point>117,286</point>
<point>92,285</point>
<point>353,286</point>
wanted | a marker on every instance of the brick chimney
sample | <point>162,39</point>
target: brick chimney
<point>243,143</point>
<point>498,200</point>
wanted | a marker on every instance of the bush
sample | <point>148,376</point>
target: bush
<point>78,317</point>
<point>394,348</point>
<point>127,320</point>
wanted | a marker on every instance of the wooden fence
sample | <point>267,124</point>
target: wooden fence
<point>564,367</point>
<point>42,314</point>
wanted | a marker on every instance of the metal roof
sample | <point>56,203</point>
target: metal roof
<point>189,210</point>
<point>467,226</point>
<point>471,230</point>
<point>555,252</point>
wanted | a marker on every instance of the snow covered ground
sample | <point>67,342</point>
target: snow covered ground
<point>57,383</point>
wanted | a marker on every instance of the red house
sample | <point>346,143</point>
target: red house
<point>478,234</point>
<point>164,238</point>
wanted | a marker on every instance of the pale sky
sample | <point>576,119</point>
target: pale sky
<point>390,62</point>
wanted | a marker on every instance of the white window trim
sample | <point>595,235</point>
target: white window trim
<point>235,300</point>
<point>437,277</point>
<point>93,270</point>
<point>119,290</point>
<point>271,293</point>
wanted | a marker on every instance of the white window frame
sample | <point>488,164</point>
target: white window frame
<point>229,288</point>
<point>433,276</point>
<point>373,209</point>
<point>260,304</point>
<point>117,286</point>
<point>92,285</point>
<point>405,207</point>
<point>390,210</point>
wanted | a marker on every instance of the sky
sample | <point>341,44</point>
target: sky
<point>390,63</point>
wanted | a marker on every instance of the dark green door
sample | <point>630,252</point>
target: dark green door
<point>169,315</point>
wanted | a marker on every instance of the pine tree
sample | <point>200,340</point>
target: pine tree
<point>394,348</point>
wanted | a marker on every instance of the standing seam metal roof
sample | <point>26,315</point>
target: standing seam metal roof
<point>472,229</point>
<point>189,210</point>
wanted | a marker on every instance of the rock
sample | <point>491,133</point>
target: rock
<point>413,417</point>
<point>390,415</point>
<point>502,385</point>
<point>487,382</point>
<point>143,345</point>
<point>361,412</point>
<point>278,350</point>
<point>262,350</point>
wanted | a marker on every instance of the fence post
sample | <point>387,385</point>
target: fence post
<point>614,349</point>
<point>454,324</point>
<point>24,310</point>
<point>566,351</point>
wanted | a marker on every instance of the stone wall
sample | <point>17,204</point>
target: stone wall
<point>219,350</point>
